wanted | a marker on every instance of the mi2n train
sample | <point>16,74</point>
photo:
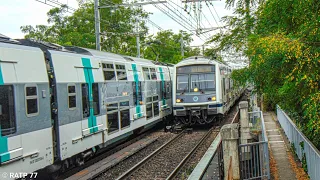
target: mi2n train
<point>202,91</point>
<point>61,105</point>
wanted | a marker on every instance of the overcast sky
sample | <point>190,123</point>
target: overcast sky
<point>16,13</point>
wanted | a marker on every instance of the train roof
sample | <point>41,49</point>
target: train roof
<point>198,60</point>
<point>44,46</point>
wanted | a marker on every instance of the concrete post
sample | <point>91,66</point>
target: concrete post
<point>230,136</point>
<point>244,122</point>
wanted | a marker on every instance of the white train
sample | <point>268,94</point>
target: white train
<point>61,105</point>
<point>202,90</point>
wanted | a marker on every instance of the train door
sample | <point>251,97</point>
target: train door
<point>90,100</point>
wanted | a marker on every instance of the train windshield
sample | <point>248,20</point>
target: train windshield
<point>203,81</point>
<point>182,83</point>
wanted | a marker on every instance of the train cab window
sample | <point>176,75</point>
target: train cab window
<point>124,114</point>
<point>146,73</point>
<point>108,72</point>
<point>85,100</point>
<point>202,81</point>
<point>95,96</point>
<point>121,72</point>
<point>182,83</point>
<point>113,117</point>
<point>72,100</point>
<point>137,96</point>
<point>7,111</point>
<point>31,100</point>
<point>153,73</point>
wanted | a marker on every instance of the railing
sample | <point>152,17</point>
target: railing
<point>305,150</point>
<point>254,157</point>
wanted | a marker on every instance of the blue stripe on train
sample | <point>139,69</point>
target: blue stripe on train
<point>215,105</point>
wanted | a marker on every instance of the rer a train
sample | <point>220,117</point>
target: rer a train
<point>61,105</point>
<point>202,90</point>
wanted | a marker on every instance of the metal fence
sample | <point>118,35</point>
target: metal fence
<point>254,157</point>
<point>305,150</point>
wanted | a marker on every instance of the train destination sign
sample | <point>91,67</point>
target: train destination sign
<point>196,69</point>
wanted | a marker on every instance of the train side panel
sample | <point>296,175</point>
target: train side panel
<point>26,133</point>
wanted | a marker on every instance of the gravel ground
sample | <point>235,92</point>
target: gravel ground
<point>187,169</point>
<point>160,166</point>
<point>125,165</point>
<point>168,161</point>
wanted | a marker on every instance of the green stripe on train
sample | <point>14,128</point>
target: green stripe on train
<point>87,70</point>
<point>136,80</point>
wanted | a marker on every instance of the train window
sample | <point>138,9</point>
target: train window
<point>108,72</point>
<point>156,108</point>
<point>149,110</point>
<point>149,99</point>
<point>72,100</point>
<point>202,81</point>
<point>7,111</point>
<point>95,95</point>
<point>85,100</point>
<point>137,96</point>
<point>31,100</point>
<point>113,123</point>
<point>182,83</point>
<point>125,118</point>
<point>155,98</point>
<point>121,72</point>
<point>112,107</point>
<point>168,90</point>
<point>146,73</point>
<point>124,104</point>
<point>153,73</point>
<point>163,90</point>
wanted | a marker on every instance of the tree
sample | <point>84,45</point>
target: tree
<point>117,27</point>
<point>166,46</point>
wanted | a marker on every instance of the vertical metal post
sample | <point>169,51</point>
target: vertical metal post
<point>97,24</point>
<point>138,45</point>
<point>181,44</point>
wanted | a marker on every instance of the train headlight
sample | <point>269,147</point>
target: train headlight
<point>179,100</point>
<point>195,89</point>
<point>213,98</point>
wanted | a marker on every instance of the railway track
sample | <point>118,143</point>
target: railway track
<point>104,154</point>
<point>166,161</point>
<point>184,160</point>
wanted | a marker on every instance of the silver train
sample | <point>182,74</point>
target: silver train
<point>61,105</point>
<point>202,90</point>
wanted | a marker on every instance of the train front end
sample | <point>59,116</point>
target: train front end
<point>195,93</point>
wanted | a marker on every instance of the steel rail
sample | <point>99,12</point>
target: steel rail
<point>177,169</point>
<point>146,159</point>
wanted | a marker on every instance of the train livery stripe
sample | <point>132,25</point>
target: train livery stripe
<point>1,77</point>
<point>163,89</point>
<point>4,154</point>
<point>92,120</point>
<point>136,80</point>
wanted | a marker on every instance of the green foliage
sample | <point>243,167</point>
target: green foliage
<point>167,46</point>
<point>117,28</point>
<point>283,47</point>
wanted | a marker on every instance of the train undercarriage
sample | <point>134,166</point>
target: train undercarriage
<point>198,116</point>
